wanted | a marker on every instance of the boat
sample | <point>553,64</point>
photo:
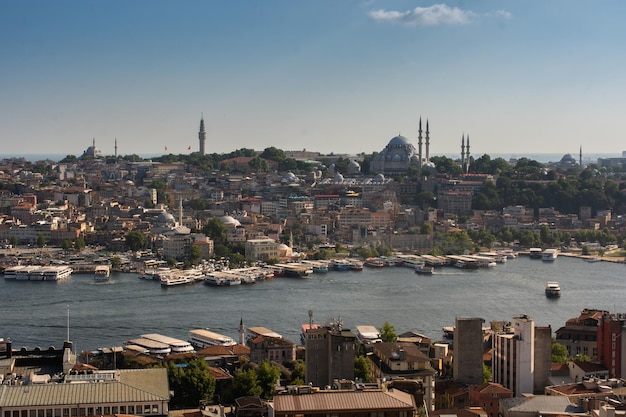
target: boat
<point>222,279</point>
<point>102,273</point>
<point>374,263</point>
<point>340,265</point>
<point>175,280</point>
<point>594,259</point>
<point>553,289</point>
<point>176,345</point>
<point>424,270</point>
<point>356,265</point>
<point>535,253</point>
<point>38,273</point>
<point>201,338</point>
<point>549,255</point>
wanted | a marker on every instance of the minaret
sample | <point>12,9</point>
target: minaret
<point>427,142</point>
<point>463,151</point>
<point>94,144</point>
<point>580,156</point>
<point>419,143</point>
<point>467,156</point>
<point>180,211</point>
<point>242,333</point>
<point>202,136</point>
<point>115,148</point>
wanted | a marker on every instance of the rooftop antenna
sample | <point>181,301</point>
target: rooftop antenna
<point>310,319</point>
<point>68,323</point>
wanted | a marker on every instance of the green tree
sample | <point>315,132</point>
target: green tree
<point>388,333</point>
<point>41,240</point>
<point>298,373</point>
<point>191,383</point>
<point>116,263</point>
<point>559,352</point>
<point>194,254</point>
<point>486,373</point>
<point>267,376</point>
<point>66,244</point>
<point>246,383</point>
<point>135,240</point>
<point>13,241</point>
<point>362,368</point>
<point>426,228</point>
<point>215,230</point>
<point>79,244</point>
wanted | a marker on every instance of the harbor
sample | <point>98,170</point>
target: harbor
<point>105,315</point>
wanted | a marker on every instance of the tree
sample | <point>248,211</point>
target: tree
<point>426,228</point>
<point>298,373</point>
<point>135,240</point>
<point>559,352</point>
<point>116,263</point>
<point>486,373</point>
<point>80,243</point>
<point>13,241</point>
<point>246,383</point>
<point>362,368</point>
<point>66,244</point>
<point>267,376</point>
<point>41,240</point>
<point>191,383</point>
<point>388,333</point>
<point>215,230</point>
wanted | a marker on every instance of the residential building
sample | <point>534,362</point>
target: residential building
<point>262,249</point>
<point>330,353</point>
<point>487,396</point>
<point>468,350</point>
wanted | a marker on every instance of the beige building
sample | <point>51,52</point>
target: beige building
<point>262,249</point>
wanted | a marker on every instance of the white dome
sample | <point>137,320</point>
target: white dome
<point>230,221</point>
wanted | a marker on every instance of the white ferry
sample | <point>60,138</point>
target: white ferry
<point>38,273</point>
<point>201,338</point>
<point>553,289</point>
<point>535,253</point>
<point>177,345</point>
<point>549,255</point>
<point>153,347</point>
<point>102,273</point>
<point>367,334</point>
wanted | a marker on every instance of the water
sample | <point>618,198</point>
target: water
<point>108,314</point>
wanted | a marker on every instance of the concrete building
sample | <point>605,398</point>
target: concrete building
<point>522,356</point>
<point>330,353</point>
<point>262,249</point>
<point>487,396</point>
<point>468,350</point>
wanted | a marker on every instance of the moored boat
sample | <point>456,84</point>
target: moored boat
<point>102,273</point>
<point>424,270</point>
<point>549,255</point>
<point>374,263</point>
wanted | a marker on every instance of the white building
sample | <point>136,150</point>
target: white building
<point>513,356</point>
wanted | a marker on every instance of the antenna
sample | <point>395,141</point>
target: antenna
<point>310,319</point>
<point>68,323</point>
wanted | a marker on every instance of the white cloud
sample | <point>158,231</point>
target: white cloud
<point>437,14</point>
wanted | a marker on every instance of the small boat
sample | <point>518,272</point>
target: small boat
<point>594,259</point>
<point>374,263</point>
<point>553,289</point>
<point>356,265</point>
<point>424,270</point>
<point>549,255</point>
<point>102,273</point>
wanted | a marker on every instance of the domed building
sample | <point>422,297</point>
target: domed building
<point>354,168</point>
<point>92,151</point>
<point>400,154</point>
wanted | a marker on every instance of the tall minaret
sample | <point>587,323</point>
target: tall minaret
<point>467,156</point>
<point>427,142</point>
<point>463,151</point>
<point>419,143</point>
<point>242,333</point>
<point>202,136</point>
<point>115,148</point>
<point>580,156</point>
<point>180,211</point>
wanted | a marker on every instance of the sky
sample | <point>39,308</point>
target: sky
<point>322,75</point>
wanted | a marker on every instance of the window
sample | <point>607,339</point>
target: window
<point>146,409</point>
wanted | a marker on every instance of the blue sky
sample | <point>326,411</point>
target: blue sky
<point>326,75</point>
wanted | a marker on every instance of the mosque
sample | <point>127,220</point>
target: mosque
<point>399,155</point>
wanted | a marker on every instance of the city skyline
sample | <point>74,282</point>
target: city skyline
<point>331,77</point>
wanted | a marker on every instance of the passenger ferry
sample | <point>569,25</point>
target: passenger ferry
<point>201,338</point>
<point>535,253</point>
<point>177,345</point>
<point>102,273</point>
<point>153,347</point>
<point>553,289</point>
<point>38,273</point>
<point>549,255</point>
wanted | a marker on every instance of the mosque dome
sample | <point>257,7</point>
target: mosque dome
<point>230,221</point>
<point>567,160</point>
<point>379,178</point>
<point>290,177</point>
<point>399,141</point>
<point>354,167</point>
<point>338,177</point>
<point>166,219</point>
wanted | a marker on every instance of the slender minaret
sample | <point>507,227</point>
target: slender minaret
<point>467,156</point>
<point>419,142</point>
<point>580,156</point>
<point>180,211</point>
<point>242,333</point>
<point>427,142</point>
<point>115,148</point>
<point>463,151</point>
<point>202,136</point>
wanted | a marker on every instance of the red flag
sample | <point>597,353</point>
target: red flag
<point>188,148</point>
<point>166,148</point>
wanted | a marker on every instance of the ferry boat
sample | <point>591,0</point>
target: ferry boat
<point>201,338</point>
<point>153,347</point>
<point>553,289</point>
<point>374,263</point>
<point>355,265</point>
<point>535,253</point>
<point>340,265</point>
<point>176,345</point>
<point>176,279</point>
<point>102,273</point>
<point>38,273</point>
<point>549,255</point>
<point>424,270</point>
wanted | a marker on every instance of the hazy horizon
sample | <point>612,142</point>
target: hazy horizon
<point>342,77</point>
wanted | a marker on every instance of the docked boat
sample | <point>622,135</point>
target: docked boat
<point>102,273</point>
<point>549,255</point>
<point>535,253</point>
<point>356,265</point>
<point>176,279</point>
<point>38,273</point>
<point>553,289</point>
<point>594,259</point>
<point>374,263</point>
<point>340,265</point>
<point>424,270</point>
